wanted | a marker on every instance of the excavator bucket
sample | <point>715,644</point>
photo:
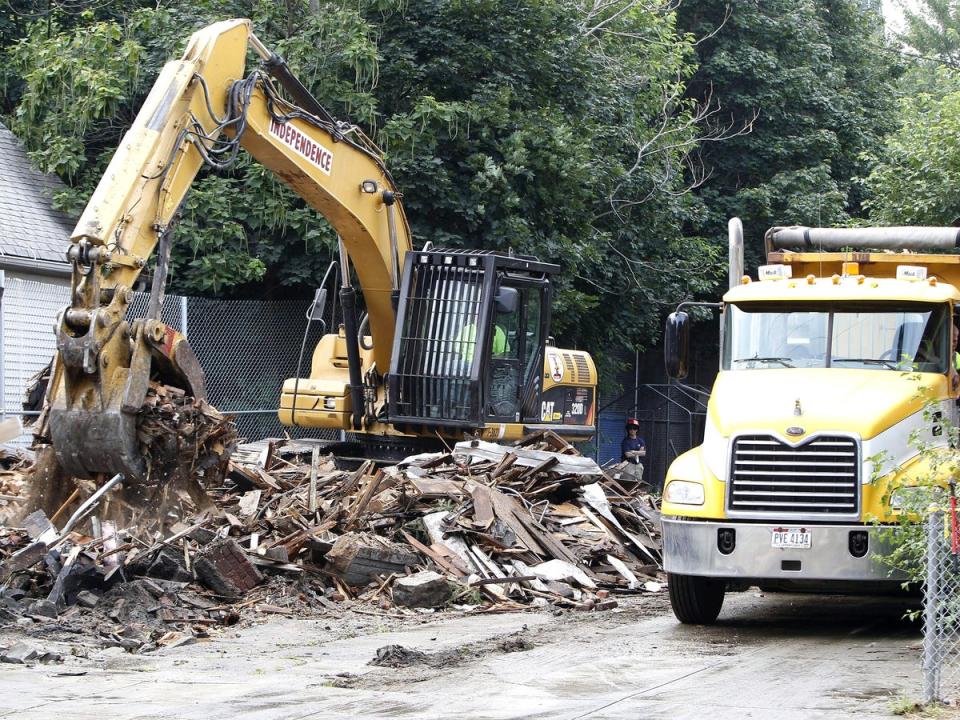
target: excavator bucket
<point>93,418</point>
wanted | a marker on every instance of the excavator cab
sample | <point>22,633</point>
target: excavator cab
<point>469,353</point>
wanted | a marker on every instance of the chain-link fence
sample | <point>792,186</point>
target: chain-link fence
<point>941,612</point>
<point>247,348</point>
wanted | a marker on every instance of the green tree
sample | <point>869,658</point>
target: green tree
<point>915,176</point>
<point>539,128</point>
<point>816,81</point>
<point>932,28</point>
<point>543,126</point>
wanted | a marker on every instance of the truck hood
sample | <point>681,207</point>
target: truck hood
<point>828,399</point>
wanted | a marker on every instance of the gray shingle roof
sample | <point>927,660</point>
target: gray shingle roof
<point>29,227</point>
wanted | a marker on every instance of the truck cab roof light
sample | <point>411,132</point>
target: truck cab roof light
<point>835,279</point>
<point>811,279</point>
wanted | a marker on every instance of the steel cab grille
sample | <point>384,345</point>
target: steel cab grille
<point>444,306</point>
<point>820,477</point>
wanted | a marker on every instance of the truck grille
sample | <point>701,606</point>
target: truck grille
<point>819,477</point>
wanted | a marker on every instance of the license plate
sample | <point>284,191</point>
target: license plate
<point>793,538</point>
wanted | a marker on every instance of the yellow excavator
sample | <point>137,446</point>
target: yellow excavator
<point>458,341</point>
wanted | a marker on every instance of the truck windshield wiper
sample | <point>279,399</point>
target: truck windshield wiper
<point>866,361</point>
<point>782,361</point>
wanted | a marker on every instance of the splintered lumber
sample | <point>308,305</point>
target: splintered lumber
<point>507,510</point>
<point>483,515</point>
<point>528,458</point>
<point>312,493</point>
<point>363,500</point>
<point>355,478</point>
<point>224,568</point>
<point>452,544</point>
<point>437,557</point>
<point>434,488</point>
<point>594,495</point>
<point>506,462</point>
<point>541,467</point>
<point>359,557</point>
<point>291,545</point>
<point>532,522</point>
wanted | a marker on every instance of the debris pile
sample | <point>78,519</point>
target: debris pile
<point>486,526</point>
<point>183,438</point>
<point>13,465</point>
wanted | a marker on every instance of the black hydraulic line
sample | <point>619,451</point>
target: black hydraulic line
<point>155,304</point>
<point>306,331</point>
<point>348,303</point>
<point>278,68</point>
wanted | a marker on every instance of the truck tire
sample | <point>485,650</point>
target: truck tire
<point>696,600</point>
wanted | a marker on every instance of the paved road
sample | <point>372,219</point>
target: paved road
<point>781,656</point>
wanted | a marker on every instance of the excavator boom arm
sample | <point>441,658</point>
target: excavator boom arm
<point>201,109</point>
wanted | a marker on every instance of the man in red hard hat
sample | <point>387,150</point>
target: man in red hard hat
<point>633,448</point>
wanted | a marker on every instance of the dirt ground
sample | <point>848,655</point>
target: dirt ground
<point>783,656</point>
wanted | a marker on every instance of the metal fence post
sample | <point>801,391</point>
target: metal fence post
<point>931,599</point>
<point>184,318</point>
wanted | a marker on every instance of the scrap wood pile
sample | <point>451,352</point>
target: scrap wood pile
<point>486,526</point>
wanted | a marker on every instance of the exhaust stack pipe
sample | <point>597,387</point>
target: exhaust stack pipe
<point>735,250</point>
<point>879,238</point>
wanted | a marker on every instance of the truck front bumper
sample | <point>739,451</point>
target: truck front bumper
<point>690,547</point>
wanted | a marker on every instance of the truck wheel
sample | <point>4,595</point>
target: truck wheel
<point>696,600</point>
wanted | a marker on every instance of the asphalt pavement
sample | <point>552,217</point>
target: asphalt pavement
<point>782,656</point>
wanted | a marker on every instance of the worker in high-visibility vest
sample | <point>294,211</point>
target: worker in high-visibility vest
<point>467,338</point>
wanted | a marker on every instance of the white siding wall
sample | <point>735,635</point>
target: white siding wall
<point>28,309</point>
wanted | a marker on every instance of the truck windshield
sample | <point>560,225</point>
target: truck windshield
<point>874,336</point>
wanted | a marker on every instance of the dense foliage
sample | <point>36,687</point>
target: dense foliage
<point>914,175</point>
<point>815,80</point>
<point>610,136</point>
<point>553,127</point>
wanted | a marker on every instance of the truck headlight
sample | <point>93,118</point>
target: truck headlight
<point>684,492</point>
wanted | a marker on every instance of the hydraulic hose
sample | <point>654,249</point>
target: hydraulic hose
<point>348,301</point>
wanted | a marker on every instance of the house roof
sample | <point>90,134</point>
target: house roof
<point>32,233</point>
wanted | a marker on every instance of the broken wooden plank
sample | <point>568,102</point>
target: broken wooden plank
<point>360,557</point>
<point>312,493</point>
<point>432,523</point>
<point>503,580</point>
<point>483,515</point>
<point>525,457</point>
<point>507,509</point>
<point>363,500</point>
<point>434,555</point>
<point>435,488</point>
<point>541,467</point>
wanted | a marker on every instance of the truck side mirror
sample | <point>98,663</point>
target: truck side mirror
<point>676,344</point>
<point>315,311</point>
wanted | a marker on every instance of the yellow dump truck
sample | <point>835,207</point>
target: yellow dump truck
<point>837,364</point>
